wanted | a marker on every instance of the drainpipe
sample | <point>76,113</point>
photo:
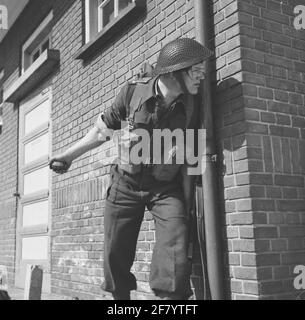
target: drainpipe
<point>210,221</point>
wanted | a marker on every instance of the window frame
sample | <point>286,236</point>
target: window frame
<point>116,12</point>
<point>94,40</point>
<point>91,29</point>
<point>39,48</point>
<point>34,43</point>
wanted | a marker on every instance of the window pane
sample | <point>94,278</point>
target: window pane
<point>36,148</point>
<point>108,12</point>
<point>46,45</point>
<point>37,117</point>
<point>123,4</point>
<point>36,181</point>
<point>35,248</point>
<point>36,214</point>
<point>36,55</point>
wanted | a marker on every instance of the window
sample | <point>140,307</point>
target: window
<point>108,10</point>
<point>101,13</point>
<point>44,45</point>
<point>37,43</point>
<point>104,19</point>
<point>105,13</point>
<point>35,55</point>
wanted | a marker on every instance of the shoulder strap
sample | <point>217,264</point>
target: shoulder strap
<point>129,94</point>
<point>135,99</point>
<point>134,93</point>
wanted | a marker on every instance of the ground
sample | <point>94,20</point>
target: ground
<point>18,294</point>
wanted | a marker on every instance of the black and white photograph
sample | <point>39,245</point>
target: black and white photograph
<point>152,150</point>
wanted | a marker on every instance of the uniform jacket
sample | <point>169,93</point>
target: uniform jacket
<point>140,105</point>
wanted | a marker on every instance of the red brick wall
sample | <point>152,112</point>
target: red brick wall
<point>9,60</point>
<point>8,178</point>
<point>230,132</point>
<point>80,92</point>
<point>260,131</point>
<point>10,57</point>
<point>274,66</point>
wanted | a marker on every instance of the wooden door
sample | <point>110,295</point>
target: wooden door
<point>34,208</point>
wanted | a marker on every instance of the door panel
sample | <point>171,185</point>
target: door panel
<point>36,181</point>
<point>35,248</point>
<point>33,219</point>
<point>36,149</point>
<point>36,117</point>
<point>35,214</point>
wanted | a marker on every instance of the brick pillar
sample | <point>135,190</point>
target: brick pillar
<point>259,111</point>
<point>274,105</point>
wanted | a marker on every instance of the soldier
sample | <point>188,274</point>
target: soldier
<point>159,101</point>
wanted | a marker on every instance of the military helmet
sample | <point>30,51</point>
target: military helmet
<point>180,54</point>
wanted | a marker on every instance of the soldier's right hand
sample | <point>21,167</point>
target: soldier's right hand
<point>60,164</point>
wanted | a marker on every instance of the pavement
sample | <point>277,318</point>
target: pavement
<point>18,294</point>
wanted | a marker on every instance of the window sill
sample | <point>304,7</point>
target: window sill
<point>33,76</point>
<point>133,11</point>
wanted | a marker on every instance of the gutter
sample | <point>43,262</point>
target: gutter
<point>210,223</point>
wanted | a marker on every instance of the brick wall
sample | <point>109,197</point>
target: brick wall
<point>8,178</point>
<point>10,49</point>
<point>80,92</point>
<point>230,135</point>
<point>260,131</point>
<point>274,101</point>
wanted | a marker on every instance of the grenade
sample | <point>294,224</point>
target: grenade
<point>59,166</point>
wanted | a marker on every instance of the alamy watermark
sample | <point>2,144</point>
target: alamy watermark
<point>159,146</point>
<point>299,281</point>
<point>299,21</point>
<point>3,18</point>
